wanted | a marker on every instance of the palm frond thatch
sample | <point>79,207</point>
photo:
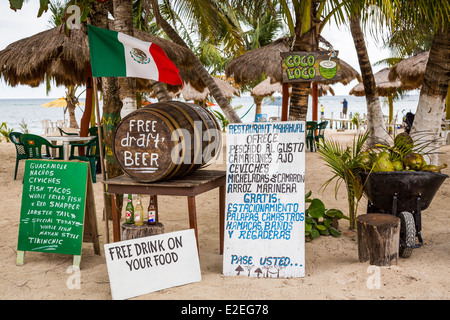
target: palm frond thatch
<point>267,61</point>
<point>385,87</point>
<point>190,93</point>
<point>66,59</point>
<point>410,71</point>
<point>266,88</point>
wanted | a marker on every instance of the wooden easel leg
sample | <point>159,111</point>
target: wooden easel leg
<point>193,217</point>
<point>76,261</point>
<point>20,258</point>
<point>221,217</point>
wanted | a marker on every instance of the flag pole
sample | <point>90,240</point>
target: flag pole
<point>102,163</point>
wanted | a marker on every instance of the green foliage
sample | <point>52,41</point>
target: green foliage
<point>24,127</point>
<point>345,164</point>
<point>5,131</point>
<point>319,220</point>
<point>222,119</point>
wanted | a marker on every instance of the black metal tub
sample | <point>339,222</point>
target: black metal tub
<point>401,189</point>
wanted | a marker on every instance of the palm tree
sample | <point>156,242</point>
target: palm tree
<point>123,22</point>
<point>57,8</point>
<point>206,13</point>
<point>433,16</point>
<point>375,115</point>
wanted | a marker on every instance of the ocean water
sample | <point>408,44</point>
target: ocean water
<point>12,111</point>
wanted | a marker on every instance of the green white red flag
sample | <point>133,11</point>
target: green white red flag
<point>115,54</point>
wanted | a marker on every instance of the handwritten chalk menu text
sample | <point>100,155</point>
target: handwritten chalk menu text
<point>53,205</point>
<point>264,220</point>
<point>152,263</point>
<point>142,145</point>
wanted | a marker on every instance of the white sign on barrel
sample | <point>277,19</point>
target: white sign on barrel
<point>265,200</point>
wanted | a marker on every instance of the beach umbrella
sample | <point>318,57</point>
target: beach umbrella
<point>266,61</point>
<point>385,88</point>
<point>410,71</point>
<point>59,103</point>
<point>190,93</point>
<point>266,88</point>
<point>66,60</point>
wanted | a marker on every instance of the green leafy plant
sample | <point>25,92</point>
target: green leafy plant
<point>5,131</point>
<point>24,127</point>
<point>346,164</point>
<point>221,118</point>
<point>319,220</point>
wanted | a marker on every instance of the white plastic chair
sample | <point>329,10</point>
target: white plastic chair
<point>46,125</point>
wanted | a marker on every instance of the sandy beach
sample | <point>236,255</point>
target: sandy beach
<point>333,270</point>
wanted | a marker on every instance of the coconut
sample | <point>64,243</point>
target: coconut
<point>413,161</point>
<point>403,141</point>
<point>383,165</point>
<point>398,165</point>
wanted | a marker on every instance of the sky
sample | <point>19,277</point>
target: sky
<point>24,23</point>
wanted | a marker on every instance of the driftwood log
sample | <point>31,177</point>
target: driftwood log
<point>132,231</point>
<point>378,238</point>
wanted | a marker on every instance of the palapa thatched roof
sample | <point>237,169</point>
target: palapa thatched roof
<point>267,60</point>
<point>410,71</point>
<point>190,93</point>
<point>385,87</point>
<point>66,59</point>
<point>266,88</point>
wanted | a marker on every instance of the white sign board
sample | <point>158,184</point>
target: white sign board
<point>265,200</point>
<point>153,263</point>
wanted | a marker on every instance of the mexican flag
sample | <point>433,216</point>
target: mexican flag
<point>115,54</point>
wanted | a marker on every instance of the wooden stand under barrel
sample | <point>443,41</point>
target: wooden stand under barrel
<point>378,238</point>
<point>132,231</point>
<point>189,186</point>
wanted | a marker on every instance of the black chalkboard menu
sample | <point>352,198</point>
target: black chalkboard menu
<point>52,215</point>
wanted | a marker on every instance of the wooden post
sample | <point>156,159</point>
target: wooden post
<point>315,101</point>
<point>378,238</point>
<point>285,102</point>
<point>132,231</point>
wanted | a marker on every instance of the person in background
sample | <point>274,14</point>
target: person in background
<point>344,107</point>
<point>322,114</point>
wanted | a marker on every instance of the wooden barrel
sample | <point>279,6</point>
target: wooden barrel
<point>166,140</point>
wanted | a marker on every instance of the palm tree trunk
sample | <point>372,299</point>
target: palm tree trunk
<point>434,91</point>
<point>374,114</point>
<point>71,105</point>
<point>306,40</point>
<point>258,101</point>
<point>111,108</point>
<point>160,91</point>
<point>298,108</point>
<point>215,91</point>
<point>123,22</point>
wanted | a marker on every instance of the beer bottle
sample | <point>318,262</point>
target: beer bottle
<point>139,212</point>
<point>129,210</point>
<point>152,212</point>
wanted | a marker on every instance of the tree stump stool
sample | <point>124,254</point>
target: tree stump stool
<point>378,238</point>
<point>132,231</point>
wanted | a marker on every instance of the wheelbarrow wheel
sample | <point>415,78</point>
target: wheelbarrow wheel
<point>407,234</point>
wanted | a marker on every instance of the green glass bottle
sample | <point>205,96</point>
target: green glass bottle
<point>129,210</point>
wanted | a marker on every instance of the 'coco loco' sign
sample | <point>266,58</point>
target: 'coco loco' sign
<point>302,66</point>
